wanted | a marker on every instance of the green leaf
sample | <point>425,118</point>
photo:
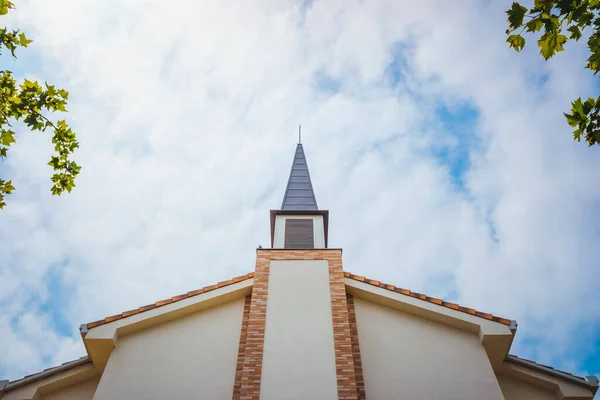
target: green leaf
<point>534,25</point>
<point>550,43</point>
<point>516,41</point>
<point>578,12</point>
<point>577,108</point>
<point>551,22</point>
<point>587,107</point>
<point>7,137</point>
<point>543,4</point>
<point>585,19</point>
<point>8,187</point>
<point>23,41</point>
<point>5,5</point>
<point>515,15</point>
<point>575,32</point>
<point>572,120</point>
<point>594,62</point>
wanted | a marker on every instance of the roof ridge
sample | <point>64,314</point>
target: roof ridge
<point>433,300</point>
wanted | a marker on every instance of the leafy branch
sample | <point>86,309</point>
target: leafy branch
<point>553,16</point>
<point>26,102</point>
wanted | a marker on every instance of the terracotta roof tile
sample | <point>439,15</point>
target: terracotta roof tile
<point>503,321</point>
<point>484,315</point>
<point>195,292</point>
<point>466,309</point>
<point>131,312</point>
<point>113,318</point>
<point>95,323</point>
<point>225,283</point>
<point>173,299</point>
<point>250,275</point>
<point>453,306</point>
<point>433,300</point>
<point>180,297</point>
<point>147,307</point>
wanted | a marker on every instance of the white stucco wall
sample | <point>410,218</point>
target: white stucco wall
<point>190,358</point>
<point>515,389</point>
<point>299,354</point>
<point>80,391</point>
<point>408,357</point>
<point>318,230</point>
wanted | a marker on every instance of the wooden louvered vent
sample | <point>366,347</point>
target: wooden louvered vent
<point>299,234</point>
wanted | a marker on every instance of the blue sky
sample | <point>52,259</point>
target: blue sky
<point>442,156</point>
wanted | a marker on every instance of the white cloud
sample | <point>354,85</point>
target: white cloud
<point>186,116</point>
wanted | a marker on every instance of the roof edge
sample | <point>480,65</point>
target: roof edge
<point>44,374</point>
<point>85,327</point>
<point>590,382</point>
<point>512,324</point>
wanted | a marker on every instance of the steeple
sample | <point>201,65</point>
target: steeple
<point>299,224</point>
<point>299,193</point>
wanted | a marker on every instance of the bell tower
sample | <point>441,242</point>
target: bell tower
<point>299,224</point>
<point>298,327</point>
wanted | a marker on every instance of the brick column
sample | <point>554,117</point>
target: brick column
<point>253,350</point>
<point>360,380</point>
<point>344,361</point>
<point>255,334</point>
<point>237,385</point>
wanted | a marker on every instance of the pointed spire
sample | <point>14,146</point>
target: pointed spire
<point>299,194</point>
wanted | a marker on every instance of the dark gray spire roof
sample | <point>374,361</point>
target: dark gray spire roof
<point>299,194</point>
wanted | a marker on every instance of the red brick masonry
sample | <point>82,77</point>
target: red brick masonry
<point>254,344</point>
<point>360,381</point>
<point>237,385</point>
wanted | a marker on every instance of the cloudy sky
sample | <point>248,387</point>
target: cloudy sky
<point>442,156</point>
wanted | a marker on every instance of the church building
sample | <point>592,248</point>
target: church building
<point>300,327</point>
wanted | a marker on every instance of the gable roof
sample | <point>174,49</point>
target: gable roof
<point>592,382</point>
<point>250,275</point>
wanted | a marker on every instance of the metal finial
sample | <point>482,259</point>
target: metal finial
<point>299,134</point>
